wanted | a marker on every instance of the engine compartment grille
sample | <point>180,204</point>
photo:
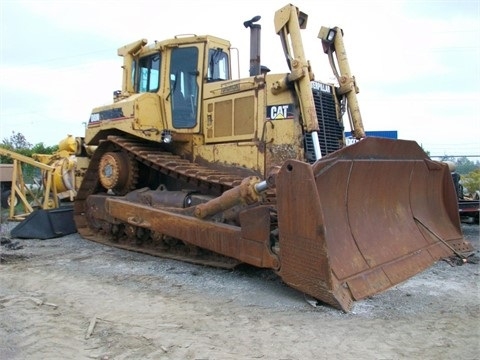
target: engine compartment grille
<point>330,135</point>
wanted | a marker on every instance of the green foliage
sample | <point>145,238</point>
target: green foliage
<point>41,148</point>
<point>19,144</point>
<point>471,181</point>
<point>465,165</point>
<point>16,141</point>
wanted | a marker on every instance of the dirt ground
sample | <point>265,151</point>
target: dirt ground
<point>68,298</point>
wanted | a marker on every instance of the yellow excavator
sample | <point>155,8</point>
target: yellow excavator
<point>189,163</point>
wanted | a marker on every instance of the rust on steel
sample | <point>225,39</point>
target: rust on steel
<point>95,223</point>
<point>339,245</point>
<point>245,192</point>
<point>349,226</point>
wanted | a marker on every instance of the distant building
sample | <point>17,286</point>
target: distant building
<point>390,134</point>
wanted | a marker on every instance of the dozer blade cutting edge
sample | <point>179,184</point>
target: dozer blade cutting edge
<point>363,219</point>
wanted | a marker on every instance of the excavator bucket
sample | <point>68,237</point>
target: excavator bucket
<point>363,219</point>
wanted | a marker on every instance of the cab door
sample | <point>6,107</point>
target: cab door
<point>184,86</point>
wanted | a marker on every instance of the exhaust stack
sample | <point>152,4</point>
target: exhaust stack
<point>255,30</point>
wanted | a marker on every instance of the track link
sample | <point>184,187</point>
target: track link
<point>167,163</point>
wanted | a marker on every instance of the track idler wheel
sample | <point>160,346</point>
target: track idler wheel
<point>117,172</point>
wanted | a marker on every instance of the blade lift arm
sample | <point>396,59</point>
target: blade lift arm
<point>332,41</point>
<point>288,22</point>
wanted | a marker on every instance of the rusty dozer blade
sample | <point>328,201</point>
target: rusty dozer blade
<point>363,219</point>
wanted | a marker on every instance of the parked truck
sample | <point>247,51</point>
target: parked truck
<point>468,206</point>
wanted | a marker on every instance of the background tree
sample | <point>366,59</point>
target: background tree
<point>465,165</point>
<point>471,181</point>
<point>19,144</point>
<point>41,148</point>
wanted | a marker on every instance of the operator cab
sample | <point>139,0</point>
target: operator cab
<point>186,63</point>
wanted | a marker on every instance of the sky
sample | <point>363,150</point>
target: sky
<point>416,62</point>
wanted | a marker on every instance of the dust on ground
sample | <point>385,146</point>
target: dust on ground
<point>68,298</point>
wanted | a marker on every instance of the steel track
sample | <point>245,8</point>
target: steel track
<point>167,163</point>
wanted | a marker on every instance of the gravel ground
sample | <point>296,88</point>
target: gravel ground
<point>68,298</point>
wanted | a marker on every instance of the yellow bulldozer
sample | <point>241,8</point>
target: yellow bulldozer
<point>189,163</point>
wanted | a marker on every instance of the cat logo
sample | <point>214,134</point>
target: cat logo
<point>280,112</point>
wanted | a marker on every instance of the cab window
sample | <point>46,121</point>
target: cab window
<point>148,73</point>
<point>218,68</point>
